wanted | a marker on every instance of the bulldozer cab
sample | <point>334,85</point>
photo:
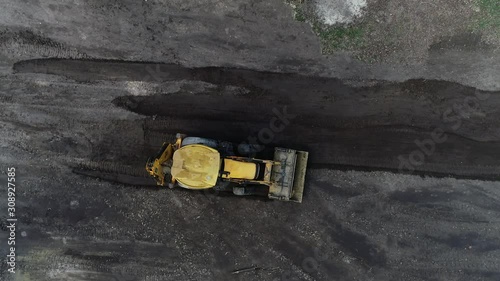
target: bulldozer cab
<point>196,166</point>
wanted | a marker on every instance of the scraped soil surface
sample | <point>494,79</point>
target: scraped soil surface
<point>415,126</point>
<point>362,217</point>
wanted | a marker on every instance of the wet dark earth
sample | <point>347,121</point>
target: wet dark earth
<point>419,126</point>
<point>401,186</point>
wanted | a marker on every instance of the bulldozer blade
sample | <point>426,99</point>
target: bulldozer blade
<point>288,177</point>
<point>300,176</point>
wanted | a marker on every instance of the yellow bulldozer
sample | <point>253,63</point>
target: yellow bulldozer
<point>202,163</point>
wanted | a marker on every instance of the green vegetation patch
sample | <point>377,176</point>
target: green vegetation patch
<point>340,37</point>
<point>487,19</point>
<point>299,14</point>
<point>333,38</point>
<point>490,14</point>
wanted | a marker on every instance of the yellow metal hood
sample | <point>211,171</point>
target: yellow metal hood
<point>196,166</point>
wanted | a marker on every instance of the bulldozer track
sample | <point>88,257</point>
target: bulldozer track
<point>113,172</point>
<point>487,172</point>
<point>156,139</point>
<point>26,42</point>
<point>114,168</point>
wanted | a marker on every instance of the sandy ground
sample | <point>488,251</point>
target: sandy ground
<point>403,179</point>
